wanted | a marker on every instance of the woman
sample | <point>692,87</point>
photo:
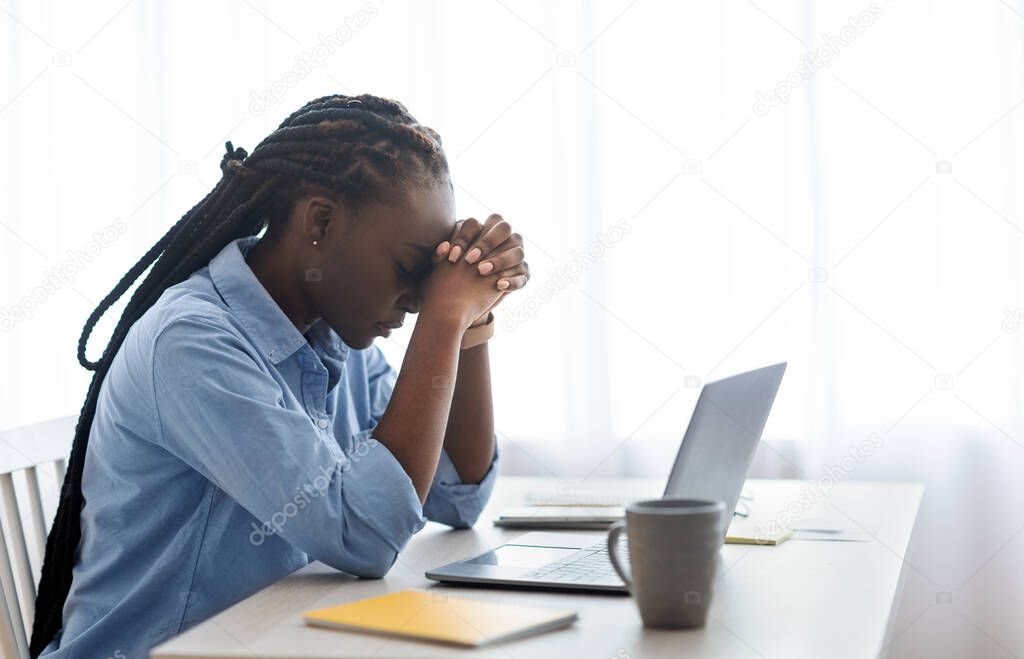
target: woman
<point>241,423</point>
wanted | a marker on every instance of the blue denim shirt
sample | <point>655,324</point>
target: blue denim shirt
<point>227,451</point>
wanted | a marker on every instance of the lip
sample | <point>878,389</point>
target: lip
<point>385,328</point>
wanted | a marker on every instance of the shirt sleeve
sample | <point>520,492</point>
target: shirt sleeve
<point>221,412</point>
<point>449,501</point>
<point>458,504</point>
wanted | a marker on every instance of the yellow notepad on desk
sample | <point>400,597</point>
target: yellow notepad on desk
<point>438,617</point>
<point>746,531</point>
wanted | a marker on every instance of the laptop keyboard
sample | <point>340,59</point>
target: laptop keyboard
<point>590,565</point>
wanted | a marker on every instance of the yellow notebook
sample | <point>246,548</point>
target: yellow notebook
<point>750,532</point>
<point>436,616</point>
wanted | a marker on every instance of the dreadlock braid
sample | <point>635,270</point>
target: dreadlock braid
<point>358,148</point>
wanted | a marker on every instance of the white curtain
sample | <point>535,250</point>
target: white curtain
<point>704,188</point>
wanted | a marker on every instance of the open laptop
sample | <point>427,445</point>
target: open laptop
<point>712,463</point>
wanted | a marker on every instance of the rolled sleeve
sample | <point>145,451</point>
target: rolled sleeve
<point>222,414</point>
<point>380,492</point>
<point>453,502</point>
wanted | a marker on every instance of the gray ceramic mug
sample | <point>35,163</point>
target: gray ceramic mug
<point>673,558</point>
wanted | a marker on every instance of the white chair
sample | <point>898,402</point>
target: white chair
<point>41,448</point>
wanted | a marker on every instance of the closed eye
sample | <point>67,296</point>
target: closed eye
<point>413,273</point>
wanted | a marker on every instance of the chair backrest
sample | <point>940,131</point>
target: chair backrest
<point>32,451</point>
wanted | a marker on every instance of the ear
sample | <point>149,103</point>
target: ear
<point>319,217</point>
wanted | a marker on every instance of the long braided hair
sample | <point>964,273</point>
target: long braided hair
<point>358,148</point>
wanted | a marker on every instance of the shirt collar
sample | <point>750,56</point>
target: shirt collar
<point>271,330</point>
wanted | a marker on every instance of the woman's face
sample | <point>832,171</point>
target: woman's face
<point>367,271</point>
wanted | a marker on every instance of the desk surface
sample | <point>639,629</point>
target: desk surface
<point>800,599</point>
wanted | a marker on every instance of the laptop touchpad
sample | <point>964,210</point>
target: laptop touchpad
<point>522,556</point>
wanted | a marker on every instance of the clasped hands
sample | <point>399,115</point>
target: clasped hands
<point>496,251</point>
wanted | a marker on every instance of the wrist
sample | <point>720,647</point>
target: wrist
<point>478,334</point>
<point>446,318</point>
<point>483,320</point>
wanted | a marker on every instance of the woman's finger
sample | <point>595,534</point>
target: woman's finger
<point>514,240</point>
<point>465,233</point>
<point>502,260</point>
<point>513,279</point>
<point>494,232</point>
<point>441,253</point>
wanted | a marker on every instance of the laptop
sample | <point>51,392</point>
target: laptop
<point>712,463</point>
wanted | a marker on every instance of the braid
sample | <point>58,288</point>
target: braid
<point>358,148</point>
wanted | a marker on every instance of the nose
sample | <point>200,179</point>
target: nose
<point>411,301</point>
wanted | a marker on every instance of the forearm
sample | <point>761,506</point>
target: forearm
<point>469,437</point>
<point>413,426</point>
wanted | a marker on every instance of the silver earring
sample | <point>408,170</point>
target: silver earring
<point>314,243</point>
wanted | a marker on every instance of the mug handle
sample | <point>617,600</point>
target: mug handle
<point>613,553</point>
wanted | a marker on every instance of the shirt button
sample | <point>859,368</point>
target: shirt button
<point>322,423</point>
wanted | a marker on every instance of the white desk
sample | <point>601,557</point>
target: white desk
<point>800,599</point>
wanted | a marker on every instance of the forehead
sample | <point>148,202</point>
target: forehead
<point>424,215</point>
